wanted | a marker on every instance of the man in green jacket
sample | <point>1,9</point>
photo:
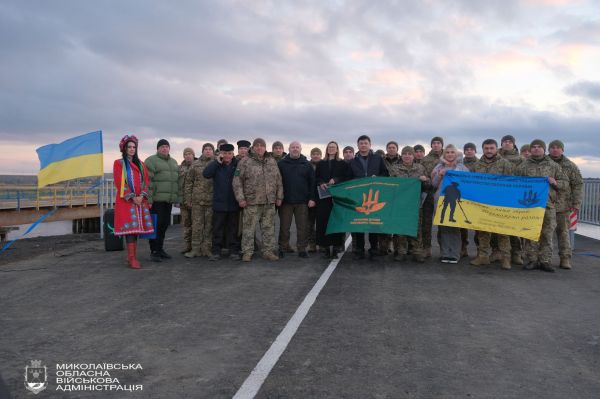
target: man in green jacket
<point>164,192</point>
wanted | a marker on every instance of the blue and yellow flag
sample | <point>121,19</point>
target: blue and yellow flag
<point>80,156</point>
<point>511,205</point>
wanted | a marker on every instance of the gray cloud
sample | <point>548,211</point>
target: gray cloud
<point>207,70</point>
<point>586,89</point>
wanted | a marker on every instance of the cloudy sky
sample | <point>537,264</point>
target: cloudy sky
<point>197,71</point>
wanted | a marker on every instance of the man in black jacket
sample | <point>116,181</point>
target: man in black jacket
<point>298,178</point>
<point>225,207</point>
<point>366,164</point>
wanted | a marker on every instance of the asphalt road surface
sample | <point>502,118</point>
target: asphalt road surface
<point>378,329</point>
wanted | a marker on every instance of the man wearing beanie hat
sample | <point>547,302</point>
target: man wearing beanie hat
<point>348,153</point>
<point>243,146</point>
<point>509,150</point>
<point>258,189</point>
<point>164,192</point>
<point>419,153</point>
<point>524,151</point>
<point>429,162</point>
<point>186,213</point>
<point>470,155</point>
<point>278,152</point>
<point>199,195</point>
<point>539,253</point>
<point>569,200</point>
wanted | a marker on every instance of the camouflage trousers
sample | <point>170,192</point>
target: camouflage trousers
<point>186,222</point>
<point>415,243</point>
<point>202,227</point>
<point>263,215</point>
<point>541,251</point>
<point>427,221</point>
<point>516,245</point>
<point>485,244</point>
<point>562,232</point>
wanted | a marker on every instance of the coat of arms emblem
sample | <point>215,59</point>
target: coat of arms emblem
<point>36,377</point>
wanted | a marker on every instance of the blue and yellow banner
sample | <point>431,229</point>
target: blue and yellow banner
<point>511,205</point>
<point>79,156</point>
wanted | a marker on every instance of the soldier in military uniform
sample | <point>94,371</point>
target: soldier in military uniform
<point>277,151</point>
<point>539,253</point>
<point>408,168</point>
<point>491,162</point>
<point>186,213</point>
<point>419,153</point>
<point>569,200</point>
<point>469,160</point>
<point>390,242</point>
<point>525,151</point>
<point>199,194</point>
<point>429,162</point>
<point>315,156</point>
<point>243,147</point>
<point>510,152</point>
<point>258,189</point>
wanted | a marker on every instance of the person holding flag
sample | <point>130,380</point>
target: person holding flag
<point>132,210</point>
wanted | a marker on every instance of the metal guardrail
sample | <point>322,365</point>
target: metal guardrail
<point>590,206</point>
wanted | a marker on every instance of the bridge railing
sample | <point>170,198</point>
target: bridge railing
<point>590,206</point>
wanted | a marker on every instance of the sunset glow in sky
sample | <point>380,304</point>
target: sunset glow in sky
<point>316,71</point>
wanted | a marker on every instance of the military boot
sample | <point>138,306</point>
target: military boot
<point>506,263</point>
<point>565,263</point>
<point>547,267</point>
<point>400,257</point>
<point>270,256</point>
<point>247,258</point>
<point>517,259</point>
<point>195,252</point>
<point>481,260</point>
<point>496,256</point>
<point>186,248</point>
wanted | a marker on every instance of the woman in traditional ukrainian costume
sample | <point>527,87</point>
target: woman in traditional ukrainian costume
<point>132,210</point>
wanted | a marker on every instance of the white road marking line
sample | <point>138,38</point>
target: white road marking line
<point>257,377</point>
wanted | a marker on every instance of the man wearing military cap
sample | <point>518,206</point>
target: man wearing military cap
<point>186,213</point>
<point>258,189</point>
<point>525,151</point>
<point>469,160</point>
<point>419,153</point>
<point>277,151</point>
<point>539,253</point>
<point>243,146</point>
<point>569,200</point>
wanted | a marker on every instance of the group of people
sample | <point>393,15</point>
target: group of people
<point>231,202</point>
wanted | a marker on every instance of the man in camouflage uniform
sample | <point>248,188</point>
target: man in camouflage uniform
<point>315,157</point>
<point>419,153</point>
<point>539,253</point>
<point>408,168</point>
<point>243,147</point>
<point>569,200</point>
<point>390,242</point>
<point>258,189</point>
<point>510,152</point>
<point>186,213</point>
<point>491,162</point>
<point>199,194</point>
<point>469,160</point>
<point>525,151</point>
<point>277,151</point>
<point>430,162</point>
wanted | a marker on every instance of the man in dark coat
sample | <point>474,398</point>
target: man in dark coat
<point>225,207</point>
<point>366,164</point>
<point>298,178</point>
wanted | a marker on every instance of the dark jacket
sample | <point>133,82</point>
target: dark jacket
<point>375,166</point>
<point>222,175</point>
<point>298,178</point>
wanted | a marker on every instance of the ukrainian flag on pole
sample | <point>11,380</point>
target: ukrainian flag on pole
<point>79,156</point>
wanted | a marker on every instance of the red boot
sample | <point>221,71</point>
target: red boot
<point>131,256</point>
